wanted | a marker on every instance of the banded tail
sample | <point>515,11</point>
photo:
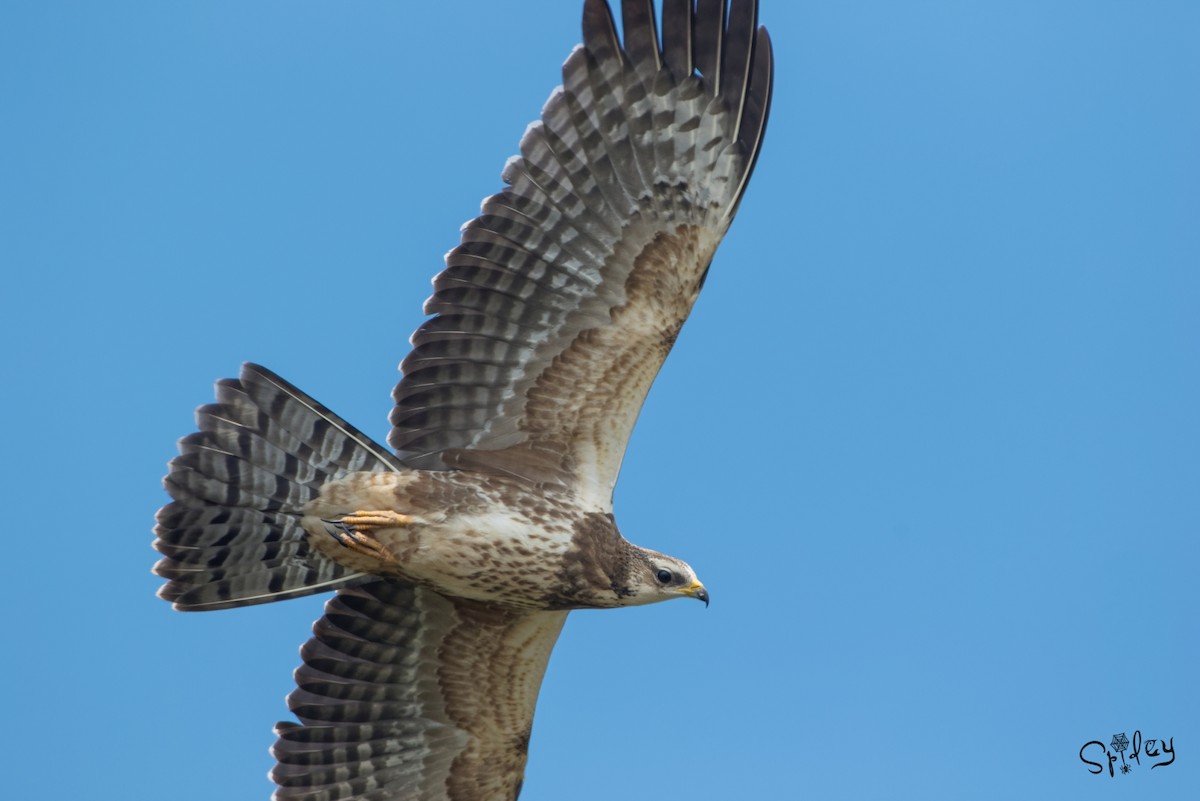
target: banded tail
<point>232,536</point>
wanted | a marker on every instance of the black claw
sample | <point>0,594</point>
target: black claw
<point>339,531</point>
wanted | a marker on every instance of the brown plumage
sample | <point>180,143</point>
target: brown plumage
<point>456,558</point>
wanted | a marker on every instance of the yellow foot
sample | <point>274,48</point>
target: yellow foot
<point>355,531</point>
<point>369,520</point>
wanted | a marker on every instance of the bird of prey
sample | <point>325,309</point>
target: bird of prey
<point>457,554</point>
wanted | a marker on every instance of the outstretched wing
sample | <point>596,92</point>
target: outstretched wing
<point>405,693</point>
<point>556,311</point>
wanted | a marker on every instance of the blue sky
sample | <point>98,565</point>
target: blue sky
<point>930,437</point>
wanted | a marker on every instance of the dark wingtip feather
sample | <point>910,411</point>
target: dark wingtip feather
<point>677,37</point>
<point>599,30</point>
<point>757,107</point>
<point>641,36</point>
<point>708,28</point>
<point>738,53</point>
<point>758,98</point>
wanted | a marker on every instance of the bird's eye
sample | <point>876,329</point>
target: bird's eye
<point>664,576</point>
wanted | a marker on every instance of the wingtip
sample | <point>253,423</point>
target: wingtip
<point>599,28</point>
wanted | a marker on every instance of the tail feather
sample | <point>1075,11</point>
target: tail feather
<point>198,527</point>
<point>256,550</point>
<point>232,536</point>
<point>225,479</point>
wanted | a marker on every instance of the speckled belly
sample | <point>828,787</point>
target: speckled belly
<point>487,539</point>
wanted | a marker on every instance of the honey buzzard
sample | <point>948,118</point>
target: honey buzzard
<point>456,555</point>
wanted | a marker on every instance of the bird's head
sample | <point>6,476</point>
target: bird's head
<point>658,577</point>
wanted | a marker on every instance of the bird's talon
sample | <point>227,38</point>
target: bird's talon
<point>355,531</point>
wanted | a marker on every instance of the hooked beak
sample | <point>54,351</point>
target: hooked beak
<point>695,590</point>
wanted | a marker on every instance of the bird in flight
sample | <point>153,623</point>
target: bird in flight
<point>456,554</point>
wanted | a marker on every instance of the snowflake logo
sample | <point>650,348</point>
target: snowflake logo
<point>1120,742</point>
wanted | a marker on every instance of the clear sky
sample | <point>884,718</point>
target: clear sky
<point>931,437</point>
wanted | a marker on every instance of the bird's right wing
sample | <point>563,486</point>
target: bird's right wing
<point>407,694</point>
<point>555,313</point>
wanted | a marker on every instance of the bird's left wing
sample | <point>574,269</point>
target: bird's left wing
<point>556,311</point>
<point>405,693</point>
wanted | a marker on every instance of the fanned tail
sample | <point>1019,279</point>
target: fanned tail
<point>232,536</point>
